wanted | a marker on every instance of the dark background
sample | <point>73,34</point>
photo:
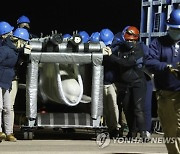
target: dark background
<point>70,15</point>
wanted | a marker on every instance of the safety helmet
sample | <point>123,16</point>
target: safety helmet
<point>107,36</point>
<point>23,19</point>
<point>118,39</point>
<point>21,33</point>
<point>130,33</point>
<point>5,28</point>
<point>95,37</point>
<point>85,36</point>
<point>174,20</point>
<point>66,36</point>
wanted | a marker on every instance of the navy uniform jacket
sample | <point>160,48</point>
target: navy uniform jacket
<point>161,53</point>
<point>1,42</point>
<point>8,59</point>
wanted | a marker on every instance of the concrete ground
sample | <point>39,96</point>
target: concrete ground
<point>50,141</point>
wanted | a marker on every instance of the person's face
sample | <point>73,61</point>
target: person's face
<point>130,43</point>
<point>19,43</point>
<point>22,43</point>
<point>7,34</point>
<point>24,25</point>
<point>174,33</point>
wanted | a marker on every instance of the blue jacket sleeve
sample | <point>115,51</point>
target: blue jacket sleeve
<point>153,58</point>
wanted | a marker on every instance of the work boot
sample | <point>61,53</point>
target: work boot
<point>2,136</point>
<point>114,133</point>
<point>11,138</point>
<point>131,135</point>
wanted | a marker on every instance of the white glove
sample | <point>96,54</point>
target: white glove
<point>27,49</point>
<point>107,51</point>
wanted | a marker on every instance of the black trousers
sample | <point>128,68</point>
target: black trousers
<point>131,97</point>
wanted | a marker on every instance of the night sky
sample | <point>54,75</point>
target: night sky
<point>71,15</point>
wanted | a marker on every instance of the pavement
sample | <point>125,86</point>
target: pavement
<point>54,141</point>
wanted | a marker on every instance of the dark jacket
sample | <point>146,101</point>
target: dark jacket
<point>130,63</point>
<point>22,63</point>
<point>161,53</point>
<point>110,71</point>
<point>8,59</point>
<point>110,68</point>
<point>1,42</point>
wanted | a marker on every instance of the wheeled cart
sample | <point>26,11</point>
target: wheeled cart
<point>66,78</point>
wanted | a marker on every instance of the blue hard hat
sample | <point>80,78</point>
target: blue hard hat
<point>66,36</point>
<point>107,36</point>
<point>85,36</point>
<point>174,20</point>
<point>95,37</point>
<point>21,33</point>
<point>5,27</point>
<point>23,19</point>
<point>118,39</point>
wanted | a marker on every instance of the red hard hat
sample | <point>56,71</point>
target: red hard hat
<point>131,33</point>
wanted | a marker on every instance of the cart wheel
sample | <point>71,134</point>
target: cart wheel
<point>25,135</point>
<point>31,135</point>
<point>28,135</point>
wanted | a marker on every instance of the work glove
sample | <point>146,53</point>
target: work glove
<point>27,49</point>
<point>107,51</point>
<point>174,71</point>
